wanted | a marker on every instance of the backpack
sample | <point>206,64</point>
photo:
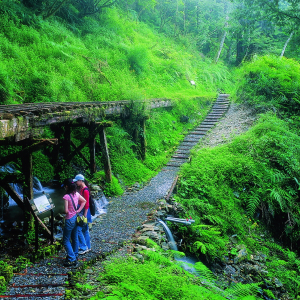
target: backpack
<point>91,203</point>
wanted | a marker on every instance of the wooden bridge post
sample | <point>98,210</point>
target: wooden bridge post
<point>67,143</point>
<point>28,176</point>
<point>105,154</point>
<point>27,186</point>
<point>143,138</point>
<point>92,144</point>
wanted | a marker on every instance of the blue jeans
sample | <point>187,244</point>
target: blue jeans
<point>84,237</point>
<point>71,231</point>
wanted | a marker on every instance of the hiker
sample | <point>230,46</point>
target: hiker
<point>72,200</point>
<point>83,232</point>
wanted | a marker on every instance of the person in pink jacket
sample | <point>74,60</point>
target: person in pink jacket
<point>71,229</point>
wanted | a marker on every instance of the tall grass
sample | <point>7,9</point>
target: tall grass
<point>106,58</point>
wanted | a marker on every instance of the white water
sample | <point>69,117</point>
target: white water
<point>187,263</point>
<point>169,235</point>
<point>56,194</point>
<point>101,206</point>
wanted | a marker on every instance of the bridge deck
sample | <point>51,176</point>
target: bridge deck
<point>22,120</point>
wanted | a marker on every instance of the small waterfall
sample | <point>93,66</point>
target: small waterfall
<point>37,186</point>
<point>169,235</point>
<point>101,204</point>
<point>187,263</point>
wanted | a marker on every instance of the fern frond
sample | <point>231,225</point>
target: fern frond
<point>203,272</point>
<point>242,290</point>
<point>156,257</point>
<point>253,202</point>
<point>274,246</point>
<point>199,245</point>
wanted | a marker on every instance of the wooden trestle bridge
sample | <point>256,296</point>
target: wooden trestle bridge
<point>23,124</point>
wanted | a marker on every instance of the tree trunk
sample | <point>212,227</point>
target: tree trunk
<point>286,43</point>
<point>184,6</point>
<point>176,13</point>
<point>54,9</point>
<point>229,52</point>
<point>224,35</point>
<point>221,46</point>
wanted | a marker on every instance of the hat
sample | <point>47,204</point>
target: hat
<point>78,177</point>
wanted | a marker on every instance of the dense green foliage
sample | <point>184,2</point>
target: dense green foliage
<point>159,276</point>
<point>121,59</point>
<point>6,273</point>
<point>42,168</point>
<point>258,172</point>
<point>59,51</point>
<point>242,188</point>
<point>112,188</point>
<point>270,82</point>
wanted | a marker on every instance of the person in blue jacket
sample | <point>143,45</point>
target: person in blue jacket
<point>83,232</point>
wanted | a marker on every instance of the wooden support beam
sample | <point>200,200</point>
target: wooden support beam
<point>79,153</point>
<point>67,144</point>
<point>8,142</point>
<point>105,155</point>
<point>13,194</point>
<point>26,159</point>
<point>16,197</point>
<point>96,130</point>
<point>25,151</point>
<point>92,144</point>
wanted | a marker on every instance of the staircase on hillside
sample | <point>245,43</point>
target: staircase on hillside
<point>181,155</point>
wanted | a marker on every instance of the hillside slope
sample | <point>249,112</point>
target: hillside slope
<point>107,57</point>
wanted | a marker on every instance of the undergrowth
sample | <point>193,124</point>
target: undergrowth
<point>247,189</point>
<point>159,276</point>
<point>270,83</point>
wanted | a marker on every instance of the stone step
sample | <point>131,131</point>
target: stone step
<point>220,106</point>
<point>180,156</point>
<point>189,144</point>
<point>212,118</point>
<point>205,126</point>
<point>201,129</point>
<point>208,123</point>
<point>183,152</point>
<point>190,141</point>
<point>197,133</point>
<point>220,110</point>
<point>173,165</point>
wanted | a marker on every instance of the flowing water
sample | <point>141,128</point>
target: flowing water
<point>14,213</point>
<point>169,235</point>
<point>186,262</point>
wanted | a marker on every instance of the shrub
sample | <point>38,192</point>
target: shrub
<point>42,168</point>
<point>112,188</point>
<point>6,271</point>
<point>270,82</point>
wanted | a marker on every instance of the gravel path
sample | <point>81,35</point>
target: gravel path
<point>124,215</point>
<point>237,120</point>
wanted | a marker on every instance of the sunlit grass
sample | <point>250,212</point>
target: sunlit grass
<point>109,59</point>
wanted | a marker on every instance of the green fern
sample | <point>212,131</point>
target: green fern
<point>199,245</point>
<point>274,246</point>
<point>242,290</point>
<point>204,273</point>
<point>252,203</point>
